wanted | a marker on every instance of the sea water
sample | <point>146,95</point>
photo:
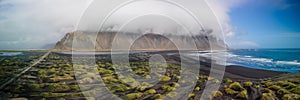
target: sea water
<point>284,60</point>
<point>10,53</point>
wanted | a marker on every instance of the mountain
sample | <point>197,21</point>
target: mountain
<point>105,41</point>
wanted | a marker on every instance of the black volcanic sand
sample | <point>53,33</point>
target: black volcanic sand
<point>236,72</point>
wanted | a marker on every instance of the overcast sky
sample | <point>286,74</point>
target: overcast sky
<point>36,24</point>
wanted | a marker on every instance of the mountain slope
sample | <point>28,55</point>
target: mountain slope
<point>105,41</point>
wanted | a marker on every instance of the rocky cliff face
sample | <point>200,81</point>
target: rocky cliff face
<point>106,41</point>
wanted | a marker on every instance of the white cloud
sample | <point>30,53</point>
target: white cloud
<point>32,24</point>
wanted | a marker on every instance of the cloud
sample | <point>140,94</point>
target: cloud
<point>31,24</point>
<point>34,24</point>
<point>222,9</point>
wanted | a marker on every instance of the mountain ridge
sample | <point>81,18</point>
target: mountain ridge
<point>110,41</point>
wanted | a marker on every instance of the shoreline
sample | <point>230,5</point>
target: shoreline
<point>238,72</point>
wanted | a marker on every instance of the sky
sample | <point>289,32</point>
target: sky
<point>266,24</point>
<point>39,24</point>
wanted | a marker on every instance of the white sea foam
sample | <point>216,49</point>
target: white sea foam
<point>248,56</point>
<point>231,55</point>
<point>261,59</point>
<point>289,62</point>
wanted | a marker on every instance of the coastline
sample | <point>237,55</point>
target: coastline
<point>246,73</point>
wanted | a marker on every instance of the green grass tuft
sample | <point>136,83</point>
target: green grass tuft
<point>291,97</point>
<point>236,86</point>
<point>165,78</point>
<point>227,80</point>
<point>230,91</point>
<point>267,96</point>
<point>248,84</point>
<point>242,95</point>
<point>133,96</point>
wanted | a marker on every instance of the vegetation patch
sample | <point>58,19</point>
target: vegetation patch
<point>248,84</point>
<point>267,96</point>
<point>242,95</point>
<point>291,97</point>
<point>230,91</point>
<point>133,96</point>
<point>236,86</point>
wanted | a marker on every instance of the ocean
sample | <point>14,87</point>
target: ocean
<point>284,60</point>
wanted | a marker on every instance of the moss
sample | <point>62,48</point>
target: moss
<point>157,96</point>
<point>236,86</point>
<point>282,91</point>
<point>148,77</point>
<point>267,96</point>
<point>192,82</point>
<point>257,86</point>
<point>90,98</point>
<point>230,91</point>
<point>151,91</point>
<point>286,84</point>
<point>118,88</point>
<point>210,78</point>
<point>225,86</point>
<point>197,88</point>
<point>266,90</point>
<point>172,94</point>
<point>248,84</point>
<point>177,77</point>
<point>274,87</point>
<point>280,83</point>
<point>129,80</point>
<point>141,71</point>
<point>242,95</point>
<point>58,87</point>
<point>289,85</point>
<point>227,80</point>
<point>191,95</point>
<point>146,84</point>
<point>217,94</point>
<point>165,78</point>
<point>267,83</point>
<point>61,99</point>
<point>296,90</point>
<point>35,87</point>
<point>49,94</point>
<point>133,96</point>
<point>167,88</point>
<point>216,80</point>
<point>291,97</point>
<point>106,79</point>
<point>105,71</point>
<point>174,84</point>
<point>142,88</point>
<point>199,81</point>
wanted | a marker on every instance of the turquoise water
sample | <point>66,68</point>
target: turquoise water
<point>285,60</point>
